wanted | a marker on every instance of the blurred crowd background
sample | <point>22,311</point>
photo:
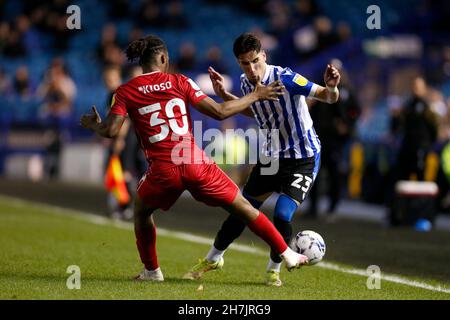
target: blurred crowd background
<point>392,121</point>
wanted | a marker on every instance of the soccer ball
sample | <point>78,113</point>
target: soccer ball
<point>310,244</point>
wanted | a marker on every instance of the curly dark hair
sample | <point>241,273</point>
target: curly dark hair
<point>145,49</point>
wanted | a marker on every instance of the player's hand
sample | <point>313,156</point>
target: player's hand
<point>217,81</point>
<point>88,121</point>
<point>332,77</point>
<point>271,91</point>
<point>118,145</point>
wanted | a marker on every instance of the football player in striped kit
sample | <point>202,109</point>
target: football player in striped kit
<point>295,146</point>
<point>156,102</point>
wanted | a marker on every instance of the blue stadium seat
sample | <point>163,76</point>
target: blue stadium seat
<point>211,24</point>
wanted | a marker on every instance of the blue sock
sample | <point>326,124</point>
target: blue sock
<point>285,208</point>
<point>284,211</point>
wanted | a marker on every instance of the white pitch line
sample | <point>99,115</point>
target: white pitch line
<point>99,220</point>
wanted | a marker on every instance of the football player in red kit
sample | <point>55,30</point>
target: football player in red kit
<point>157,104</point>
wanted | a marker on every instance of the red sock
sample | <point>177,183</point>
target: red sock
<point>264,229</point>
<point>146,244</point>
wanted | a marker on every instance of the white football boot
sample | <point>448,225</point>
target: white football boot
<point>293,260</point>
<point>150,275</point>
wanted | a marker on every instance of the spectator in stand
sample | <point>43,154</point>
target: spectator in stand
<point>127,69</point>
<point>418,125</point>
<point>4,34</point>
<point>113,79</point>
<point>106,51</point>
<point>443,175</point>
<point>343,30</point>
<point>135,34</point>
<point>61,34</point>
<point>58,7</point>
<point>38,17</point>
<point>14,47</point>
<point>303,12</point>
<point>113,56</point>
<point>22,83</point>
<point>214,59</point>
<point>58,92</point>
<point>280,21</point>
<point>149,15</point>
<point>335,124</point>
<point>175,17</point>
<point>313,38</point>
<point>125,145</point>
<point>29,35</point>
<point>444,125</point>
<point>268,43</point>
<point>437,102</point>
<point>5,83</point>
<point>55,19</point>
<point>326,36</point>
<point>280,29</point>
<point>118,9</point>
<point>134,161</point>
<point>187,61</point>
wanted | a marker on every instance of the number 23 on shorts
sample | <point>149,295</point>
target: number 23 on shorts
<point>302,179</point>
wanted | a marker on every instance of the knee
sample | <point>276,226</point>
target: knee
<point>254,202</point>
<point>285,208</point>
<point>141,210</point>
<point>138,207</point>
<point>243,209</point>
<point>247,206</point>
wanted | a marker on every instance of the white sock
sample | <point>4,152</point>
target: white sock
<point>214,254</point>
<point>273,266</point>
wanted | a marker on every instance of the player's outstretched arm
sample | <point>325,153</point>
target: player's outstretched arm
<point>217,82</point>
<point>108,129</point>
<point>330,93</point>
<point>220,111</point>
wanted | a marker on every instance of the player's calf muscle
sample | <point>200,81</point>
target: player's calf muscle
<point>141,209</point>
<point>242,209</point>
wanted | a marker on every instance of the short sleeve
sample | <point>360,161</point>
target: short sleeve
<point>118,105</point>
<point>193,91</point>
<point>297,84</point>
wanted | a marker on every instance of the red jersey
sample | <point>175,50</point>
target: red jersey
<point>157,104</point>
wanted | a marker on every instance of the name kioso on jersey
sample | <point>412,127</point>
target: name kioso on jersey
<point>155,87</point>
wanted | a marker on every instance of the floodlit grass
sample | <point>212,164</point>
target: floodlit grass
<point>37,245</point>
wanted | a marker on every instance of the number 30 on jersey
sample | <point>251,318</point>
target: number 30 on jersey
<point>155,110</point>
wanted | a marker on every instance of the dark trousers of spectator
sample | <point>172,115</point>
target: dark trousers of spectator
<point>330,159</point>
<point>411,160</point>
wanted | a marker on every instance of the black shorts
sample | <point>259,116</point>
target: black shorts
<point>295,178</point>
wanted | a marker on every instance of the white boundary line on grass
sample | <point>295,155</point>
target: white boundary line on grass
<point>99,220</point>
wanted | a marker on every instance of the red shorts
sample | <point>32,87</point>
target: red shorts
<point>164,182</point>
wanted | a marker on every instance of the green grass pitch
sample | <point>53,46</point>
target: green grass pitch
<point>37,245</point>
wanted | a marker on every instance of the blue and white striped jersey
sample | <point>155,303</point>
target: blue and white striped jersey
<point>290,115</point>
